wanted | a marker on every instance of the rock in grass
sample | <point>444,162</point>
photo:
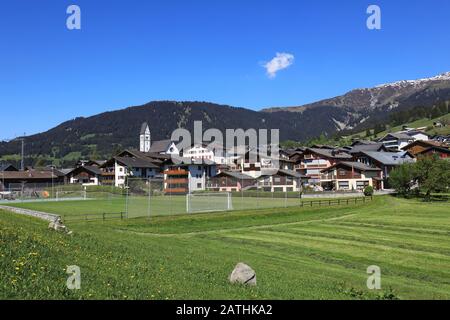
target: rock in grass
<point>243,274</point>
<point>58,226</point>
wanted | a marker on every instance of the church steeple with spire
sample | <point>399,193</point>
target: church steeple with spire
<point>145,138</point>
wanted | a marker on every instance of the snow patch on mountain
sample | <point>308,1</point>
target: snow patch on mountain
<point>415,83</point>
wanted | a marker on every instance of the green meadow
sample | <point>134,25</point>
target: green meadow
<point>297,252</point>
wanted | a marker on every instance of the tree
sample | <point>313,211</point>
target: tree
<point>430,173</point>
<point>402,178</point>
<point>433,175</point>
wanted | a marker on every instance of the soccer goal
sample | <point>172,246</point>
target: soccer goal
<point>70,195</point>
<point>208,202</point>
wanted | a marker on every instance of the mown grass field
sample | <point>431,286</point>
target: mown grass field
<point>298,253</point>
<point>156,205</point>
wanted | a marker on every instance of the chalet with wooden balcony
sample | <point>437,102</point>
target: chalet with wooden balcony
<point>313,160</point>
<point>351,176</point>
<point>176,181</point>
<point>231,181</point>
<point>281,181</point>
<point>188,175</point>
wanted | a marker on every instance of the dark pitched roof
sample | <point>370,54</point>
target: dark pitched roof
<point>136,162</point>
<point>429,143</point>
<point>236,175</point>
<point>436,148</point>
<point>389,158</point>
<point>282,172</point>
<point>160,146</point>
<point>355,165</point>
<point>376,146</point>
<point>91,169</point>
<point>330,153</point>
<point>28,175</point>
<point>397,135</point>
<point>7,167</point>
<point>363,142</point>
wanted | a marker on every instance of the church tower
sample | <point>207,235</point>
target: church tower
<point>145,138</point>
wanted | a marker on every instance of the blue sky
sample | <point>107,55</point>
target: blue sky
<point>132,52</point>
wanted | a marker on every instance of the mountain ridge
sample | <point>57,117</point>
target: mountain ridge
<point>106,132</point>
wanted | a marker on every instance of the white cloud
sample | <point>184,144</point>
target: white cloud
<point>280,62</point>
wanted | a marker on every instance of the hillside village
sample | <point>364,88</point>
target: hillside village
<point>317,168</point>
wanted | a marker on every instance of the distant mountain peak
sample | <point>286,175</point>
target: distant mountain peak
<point>418,82</point>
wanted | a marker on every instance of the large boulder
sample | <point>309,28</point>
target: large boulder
<point>243,274</point>
<point>58,226</point>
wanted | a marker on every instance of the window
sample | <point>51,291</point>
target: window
<point>345,185</point>
<point>342,172</point>
<point>199,185</point>
<point>362,184</point>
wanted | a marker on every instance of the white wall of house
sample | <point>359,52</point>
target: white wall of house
<point>272,184</point>
<point>120,175</point>
<point>93,181</point>
<point>349,184</point>
<point>420,137</point>
<point>172,150</point>
<point>198,175</point>
<point>199,152</point>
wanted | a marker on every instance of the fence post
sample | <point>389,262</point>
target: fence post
<point>104,216</point>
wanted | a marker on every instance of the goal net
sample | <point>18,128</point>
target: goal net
<point>208,202</point>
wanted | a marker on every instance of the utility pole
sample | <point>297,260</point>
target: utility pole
<point>22,163</point>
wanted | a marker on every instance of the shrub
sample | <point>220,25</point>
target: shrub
<point>368,191</point>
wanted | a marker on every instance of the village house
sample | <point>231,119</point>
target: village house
<point>364,145</point>
<point>281,181</point>
<point>440,152</point>
<point>31,178</point>
<point>398,140</point>
<point>313,160</point>
<point>418,146</point>
<point>231,181</point>
<point>189,176</point>
<point>135,164</point>
<point>386,161</point>
<point>86,175</point>
<point>254,162</point>
<point>351,176</point>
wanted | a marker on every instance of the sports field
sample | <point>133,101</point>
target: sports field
<point>298,253</point>
<point>145,206</point>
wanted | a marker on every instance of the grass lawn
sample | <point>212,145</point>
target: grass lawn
<point>159,205</point>
<point>298,253</point>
